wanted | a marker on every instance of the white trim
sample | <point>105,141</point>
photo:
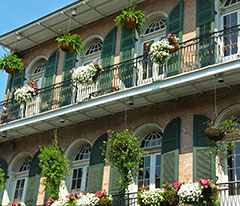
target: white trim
<point>146,128</point>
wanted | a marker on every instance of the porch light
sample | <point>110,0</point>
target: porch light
<point>4,134</point>
<point>130,101</point>
<point>74,12</point>
<point>19,37</point>
<point>220,78</point>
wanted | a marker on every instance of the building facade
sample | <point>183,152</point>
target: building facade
<point>165,105</point>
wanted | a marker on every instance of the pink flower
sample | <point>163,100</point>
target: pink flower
<point>169,35</point>
<point>211,185</point>
<point>204,181</point>
<point>71,71</point>
<point>165,190</point>
<point>170,185</point>
<point>146,44</point>
<point>96,63</point>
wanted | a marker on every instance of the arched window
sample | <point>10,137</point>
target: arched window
<point>18,175</point>
<point>154,31</point>
<point>80,169</point>
<point>92,52</point>
<point>152,161</point>
<point>79,154</point>
<point>230,2</point>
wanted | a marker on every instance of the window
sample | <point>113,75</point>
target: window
<point>230,2</point>
<point>230,33</point>
<point>152,162</point>
<point>155,26</point>
<point>37,72</point>
<point>93,48</point>
<point>80,169</point>
<point>21,177</point>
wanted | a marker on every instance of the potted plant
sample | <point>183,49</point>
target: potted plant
<point>130,18</point>
<point>68,42</point>
<point>124,153</point>
<point>86,74</point>
<point>173,41</point>
<point>16,203</point>
<point>104,199</point>
<point>11,64</point>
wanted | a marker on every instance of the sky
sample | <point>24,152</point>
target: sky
<point>15,13</point>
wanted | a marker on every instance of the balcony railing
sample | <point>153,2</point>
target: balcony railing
<point>229,195</point>
<point>208,49</point>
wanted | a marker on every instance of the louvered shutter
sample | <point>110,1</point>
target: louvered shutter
<point>203,162</point>
<point>48,82</point>
<point>107,59</point>
<point>4,167</point>
<point>66,87</point>
<point>175,26</point>
<point>96,165</point>
<point>33,181</point>
<point>170,152</point>
<point>205,25</point>
<point>114,182</point>
<point>14,106</point>
<point>127,49</point>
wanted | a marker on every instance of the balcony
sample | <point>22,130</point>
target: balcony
<point>192,69</point>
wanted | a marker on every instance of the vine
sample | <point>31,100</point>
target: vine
<point>2,178</point>
<point>124,154</point>
<point>54,167</point>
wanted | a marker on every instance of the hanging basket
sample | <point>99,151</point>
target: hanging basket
<point>214,134</point>
<point>129,23</point>
<point>176,48</point>
<point>66,48</point>
<point>105,202</point>
<point>9,71</point>
<point>96,75</point>
<point>210,193</point>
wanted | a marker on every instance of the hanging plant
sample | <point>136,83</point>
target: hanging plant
<point>68,42</point>
<point>130,18</point>
<point>124,154</point>
<point>2,179</point>
<point>224,137</point>
<point>11,64</point>
<point>173,41</point>
<point>54,167</point>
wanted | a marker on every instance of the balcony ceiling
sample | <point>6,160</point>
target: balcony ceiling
<point>47,27</point>
<point>171,88</point>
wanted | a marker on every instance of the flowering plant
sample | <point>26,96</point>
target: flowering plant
<point>147,46</point>
<point>104,199</point>
<point>25,94</point>
<point>88,199</point>
<point>86,74</point>
<point>170,193</point>
<point>72,199</point>
<point>159,51</point>
<point>153,197</point>
<point>209,191</point>
<point>34,85</point>
<point>143,188</point>
<point>172,39</point>
<point>15,203</point>
<point>190,193</point>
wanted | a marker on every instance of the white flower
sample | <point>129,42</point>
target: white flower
<point>153,197</point>
<point>84,74</point>
<point>190,192</point>
<point>159,51</point>
<point>24,94</point>
<point>88,200</point>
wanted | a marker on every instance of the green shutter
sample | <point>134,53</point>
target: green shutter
<point>170,152</point>
<point>175,26</point>
<point>65,97</point>
<point>48,82</point>
<point>205,25</point>
<point>107,59</point>
<point>96,165</point>
<point>4,167</point>
<point>127,53</point>
<point>203,162</point>
<point>14,106</point>
<point>114,182</point>
<point>33,181</point>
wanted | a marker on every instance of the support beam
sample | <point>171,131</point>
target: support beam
<point>48,28</point>
<point>146,98</point>
<point>73,19</point>
<point>194,87</point>
<point>170,93</point>
<point>26,37</point>
<point>106,110</point>
<point>94,9</point>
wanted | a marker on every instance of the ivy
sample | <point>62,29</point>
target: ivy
<point>2,178</point>
<point>54,167</point>
<point>124,154</point>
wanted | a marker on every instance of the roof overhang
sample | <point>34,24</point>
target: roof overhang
<point>47,27</point>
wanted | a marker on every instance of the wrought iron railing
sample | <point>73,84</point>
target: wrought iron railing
<point>192,55</point>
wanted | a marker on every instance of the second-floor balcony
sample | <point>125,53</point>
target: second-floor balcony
<point>194,68</point>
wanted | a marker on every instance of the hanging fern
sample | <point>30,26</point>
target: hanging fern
<point>2,178</point>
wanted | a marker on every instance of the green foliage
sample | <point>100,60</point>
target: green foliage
<point>231,133</point>
<point>124,154</point>
<point>12,62</point>
<point>139,16</point>
<point>54,167</point>
<point>2,178</point>
<point>73,40</point>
